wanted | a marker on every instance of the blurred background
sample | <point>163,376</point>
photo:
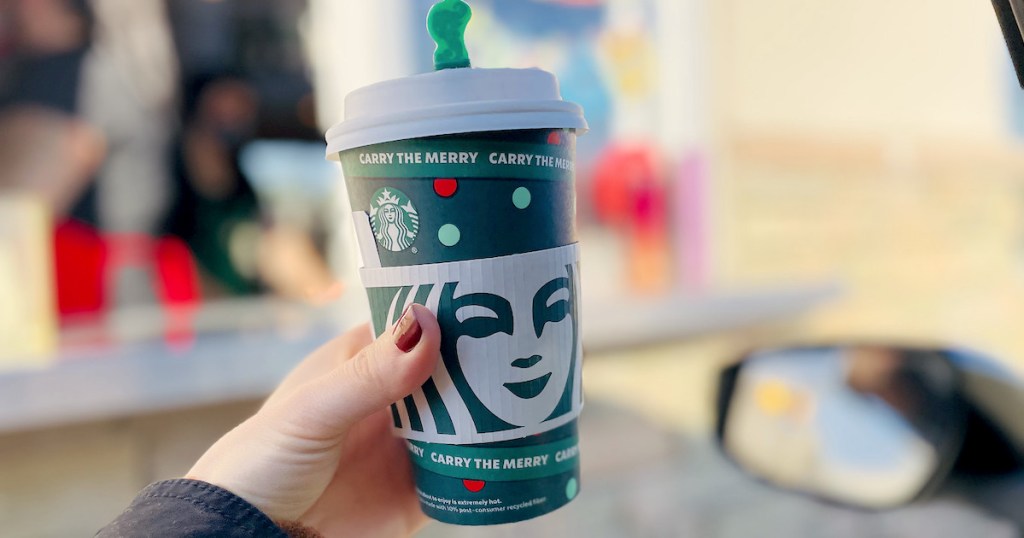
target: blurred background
<point>172,240</point>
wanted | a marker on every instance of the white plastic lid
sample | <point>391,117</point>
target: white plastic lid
<point>453,101</point>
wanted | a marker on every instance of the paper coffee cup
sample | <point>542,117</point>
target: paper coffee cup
<point>463,196</point>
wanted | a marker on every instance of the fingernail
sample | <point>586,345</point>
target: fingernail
<point>408,331</point>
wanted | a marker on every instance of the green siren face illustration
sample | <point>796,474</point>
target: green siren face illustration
<point>524,337</point>
<point>510,344</point>
<point>394,219</point>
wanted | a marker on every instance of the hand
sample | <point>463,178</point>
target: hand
<point>320,451</point>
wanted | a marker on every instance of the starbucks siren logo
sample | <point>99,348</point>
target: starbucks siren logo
<point>394,220</point>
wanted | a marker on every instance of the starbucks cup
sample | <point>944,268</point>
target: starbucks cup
<point>462,190</point>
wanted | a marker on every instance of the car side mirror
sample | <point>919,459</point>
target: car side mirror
<point>863,425</point>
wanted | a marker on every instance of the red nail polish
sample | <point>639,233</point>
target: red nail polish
<point>408,331</point>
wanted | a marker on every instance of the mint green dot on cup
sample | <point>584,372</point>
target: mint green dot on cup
<point>522,198</point>
<point>449,235</point>
<point>571,489</point>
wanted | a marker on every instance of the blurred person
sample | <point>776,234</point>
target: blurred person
<point>49,154</point>
<point>50,157</point>
<point>216,210</point>
<point>906,380</point>
<point>111,64</point>
<point>318,457</point>
<point>870,370</point>
<point>88,100</point>
<point>879,372</point>
<point>44,43</point>
<point>84,98</point>
<point>129,91</point>
<point>898,377</point>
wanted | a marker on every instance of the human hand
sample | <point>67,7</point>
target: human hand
<point>320,451</point>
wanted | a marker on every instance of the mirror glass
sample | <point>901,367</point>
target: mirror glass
<point>862,425</point>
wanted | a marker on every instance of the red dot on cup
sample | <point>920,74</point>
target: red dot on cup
<point>446,188</point>
<point>474,485</point>
<point>555,138</point>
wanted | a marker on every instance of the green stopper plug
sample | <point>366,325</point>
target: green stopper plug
<point>447,23</point>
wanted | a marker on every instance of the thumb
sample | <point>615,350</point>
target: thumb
<point>387,370</point>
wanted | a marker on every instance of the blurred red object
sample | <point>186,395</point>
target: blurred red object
<point>620,173</point>
<point>176,278</point>
<point>178,288</point>
<point>630,195</point>
<point>86,261</point>
<point>80,259</point>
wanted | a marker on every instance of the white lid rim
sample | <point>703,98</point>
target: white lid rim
<point>454,110</point>
<point>453,101</point>
<point>457,120</point>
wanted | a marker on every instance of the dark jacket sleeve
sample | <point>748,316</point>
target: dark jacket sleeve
<point>190,508</point>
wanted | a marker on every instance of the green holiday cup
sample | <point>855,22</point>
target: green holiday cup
<point>462,190</point>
